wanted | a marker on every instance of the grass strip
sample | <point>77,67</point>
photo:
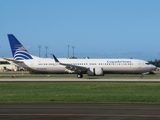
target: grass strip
<point>94,92</point>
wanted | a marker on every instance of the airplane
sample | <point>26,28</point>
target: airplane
<point>91,67</point>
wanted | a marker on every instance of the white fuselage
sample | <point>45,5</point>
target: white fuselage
<point>108,65</point>
<point>90,66</point>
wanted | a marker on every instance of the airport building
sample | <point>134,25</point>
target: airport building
<point>8,66</point>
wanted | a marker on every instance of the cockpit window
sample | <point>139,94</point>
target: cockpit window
<point>147,63</point>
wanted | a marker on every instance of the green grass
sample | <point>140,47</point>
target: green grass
<point>108,92</point>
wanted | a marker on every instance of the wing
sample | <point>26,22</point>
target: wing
<point>71,67</point>
<point>74,67</point>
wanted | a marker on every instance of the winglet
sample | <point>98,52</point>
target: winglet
<point>56,60</point>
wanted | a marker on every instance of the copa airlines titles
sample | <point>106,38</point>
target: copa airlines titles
<point>119,62</point>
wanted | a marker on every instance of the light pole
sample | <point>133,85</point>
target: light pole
<point>0,50</point>
<point>46,50</point>
<point>68,51</point>
<point>73,50</point>
<point>39,46</point>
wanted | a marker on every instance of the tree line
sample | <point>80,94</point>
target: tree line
<point>155,62</point>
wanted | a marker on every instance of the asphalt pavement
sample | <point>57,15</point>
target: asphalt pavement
<point>79,111</point>
<point>76,80</point>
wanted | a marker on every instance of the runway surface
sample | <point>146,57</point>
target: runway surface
<point>79,111</point>
<point>79,80</point>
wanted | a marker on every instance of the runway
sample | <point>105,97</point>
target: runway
<point>78,111</point>
<point>76,80</point>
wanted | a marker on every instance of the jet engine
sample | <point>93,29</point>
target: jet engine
<point>95,72</point>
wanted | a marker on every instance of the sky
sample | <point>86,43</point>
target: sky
<point>96,28</point>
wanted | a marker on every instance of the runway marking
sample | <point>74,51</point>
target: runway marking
<point>84,115</point>
<point>77,80</point>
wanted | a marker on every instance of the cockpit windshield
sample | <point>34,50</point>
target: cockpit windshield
<point>147,63</point>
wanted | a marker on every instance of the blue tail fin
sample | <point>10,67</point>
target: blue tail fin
<point>18,50</point>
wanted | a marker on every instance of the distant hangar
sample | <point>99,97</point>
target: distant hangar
<point>8,66</point>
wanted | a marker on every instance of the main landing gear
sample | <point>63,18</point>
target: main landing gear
<point>79,75</point>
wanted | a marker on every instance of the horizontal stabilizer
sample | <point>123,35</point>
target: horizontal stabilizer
<point>14,61</point>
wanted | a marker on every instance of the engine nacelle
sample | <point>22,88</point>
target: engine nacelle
<point>95,71</point>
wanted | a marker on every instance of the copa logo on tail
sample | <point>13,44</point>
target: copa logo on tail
<point>22,54</point>
<point>18,50</point>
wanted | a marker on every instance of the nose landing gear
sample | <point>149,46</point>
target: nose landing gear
<point>141,76</point>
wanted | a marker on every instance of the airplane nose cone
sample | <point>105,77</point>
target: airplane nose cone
<point>154,67</point>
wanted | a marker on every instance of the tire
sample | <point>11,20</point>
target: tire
<point>79,75</point>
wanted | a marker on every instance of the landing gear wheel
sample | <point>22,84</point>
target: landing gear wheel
<point>79,75</point>
<point>142,76</point>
